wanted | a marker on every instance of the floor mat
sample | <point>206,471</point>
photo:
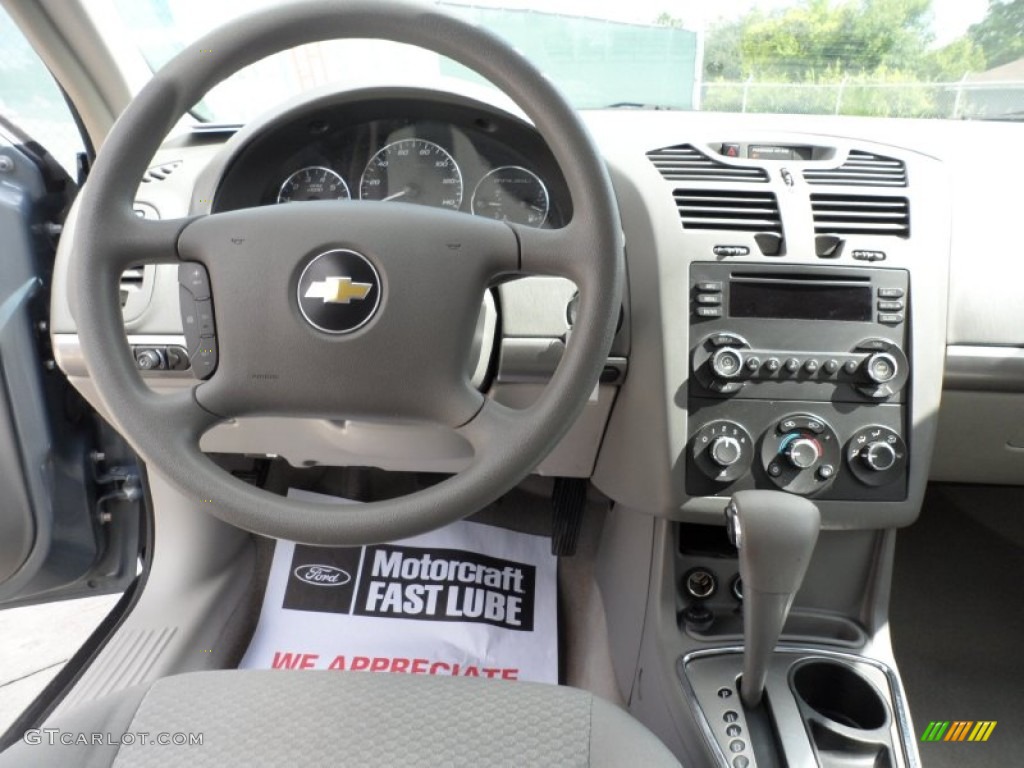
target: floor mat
<point>466,600</point>
<point>958,624</point>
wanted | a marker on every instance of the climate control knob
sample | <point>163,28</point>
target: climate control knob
<point>803,453</point>
<point>879,456</point>
<point>725,451</point>
<point>727,363</point>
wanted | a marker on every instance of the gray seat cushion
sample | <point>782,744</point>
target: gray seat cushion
<point>310,719</point>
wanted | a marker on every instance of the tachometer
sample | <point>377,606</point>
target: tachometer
<point>413,171</point>
<point>313,183</point>
<point>511,193</point>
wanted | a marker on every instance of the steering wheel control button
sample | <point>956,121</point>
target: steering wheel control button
<point>204,319</point>
<point>339,291</point>
<point>197,320</point>
<point>204,359</point>
<point>877,455</point>
<point>193,277</point>
<point>723,451</point>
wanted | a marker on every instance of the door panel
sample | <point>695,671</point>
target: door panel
<point>57,538</point>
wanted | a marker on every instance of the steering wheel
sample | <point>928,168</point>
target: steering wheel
<point>426,269</point>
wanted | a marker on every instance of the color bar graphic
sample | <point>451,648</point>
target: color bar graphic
<point>958,730</point>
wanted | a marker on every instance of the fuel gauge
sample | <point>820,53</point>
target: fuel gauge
<point>512,193</point>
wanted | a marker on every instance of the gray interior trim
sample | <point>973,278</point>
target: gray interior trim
<point>984,368</point>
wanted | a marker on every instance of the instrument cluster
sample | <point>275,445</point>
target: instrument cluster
<point>454,156</point>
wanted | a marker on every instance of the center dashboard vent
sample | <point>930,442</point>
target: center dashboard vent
<point>687,163</point>
<point>861,215</point>
<point>861,169</point>
<point>734,211</point>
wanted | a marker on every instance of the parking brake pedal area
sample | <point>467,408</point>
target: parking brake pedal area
<point>466,600</point>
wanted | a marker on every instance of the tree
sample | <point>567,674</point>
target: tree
<point>723,51</point>
<point>851,37</point>
<point>1000,35</point>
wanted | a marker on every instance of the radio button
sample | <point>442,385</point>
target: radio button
<point>753,363</point>
<point>890,293</point>
<point>726,340</point>
<point>709,286</point>
<point>716,298</point>
<point>727,363</point>
<point>873,345</point>
<point>881,368</point>
<point>772,364</point>
<point>890,319</point>
<point>851,366</point>
<point>890,306</point>
<point>709,311</point>
<point>792,365</point>
<point>811,366</point>
<point>831,366</point>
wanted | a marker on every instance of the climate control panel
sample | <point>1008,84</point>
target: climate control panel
<point>827,452</point>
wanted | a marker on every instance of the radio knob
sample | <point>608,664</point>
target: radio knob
<point>879,456</point>
<point>881,368</point>
<point>727,363</point>
<point>725,451</point>
<point>803,453</point>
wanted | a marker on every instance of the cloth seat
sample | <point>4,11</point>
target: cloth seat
<point>309,719</point>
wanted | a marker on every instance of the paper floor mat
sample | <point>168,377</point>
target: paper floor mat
<point>465,600</point>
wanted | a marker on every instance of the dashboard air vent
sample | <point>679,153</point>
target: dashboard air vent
<point>131,282</point>
<point>686,163</point>
<point>861,215</point>
<point>728,210</point>
<point>862,169</point>
<point>159,172</point>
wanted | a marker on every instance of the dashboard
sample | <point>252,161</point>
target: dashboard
<point>413,151</point>
<point>801,298</point>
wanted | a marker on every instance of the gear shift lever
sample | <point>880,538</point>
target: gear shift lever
<point>775,533</point>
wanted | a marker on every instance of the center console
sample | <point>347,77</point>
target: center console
<point>799,381</point>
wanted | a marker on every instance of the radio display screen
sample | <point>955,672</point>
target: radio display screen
<point>800,301</point>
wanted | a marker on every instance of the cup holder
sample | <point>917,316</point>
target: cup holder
<point>838,693</point>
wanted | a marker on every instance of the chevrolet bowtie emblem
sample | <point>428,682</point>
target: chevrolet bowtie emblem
<point>338,290</point>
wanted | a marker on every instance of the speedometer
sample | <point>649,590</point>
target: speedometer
<point>413,171</point>
<point>511,193</point>
<point>313,183</point>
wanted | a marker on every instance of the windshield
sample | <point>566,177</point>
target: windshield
<point>947,59</point>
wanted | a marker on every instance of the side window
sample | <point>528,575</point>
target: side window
<point>30,98</point>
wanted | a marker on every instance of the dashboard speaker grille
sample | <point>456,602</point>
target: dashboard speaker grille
<point>861,169</point>
<point>861,215</point>
<point>686,163</point>
<point>728,210</point>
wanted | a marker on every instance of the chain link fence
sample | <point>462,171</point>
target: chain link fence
<point>962,100</point>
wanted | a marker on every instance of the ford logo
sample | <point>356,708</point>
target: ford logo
<point>322,575</point>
